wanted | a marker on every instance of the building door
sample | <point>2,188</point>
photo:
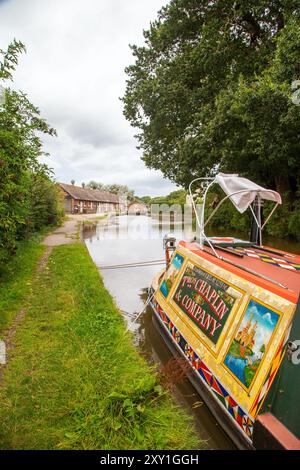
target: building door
<point>68,207</point>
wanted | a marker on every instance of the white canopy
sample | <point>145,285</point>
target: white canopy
<point>242,191</point>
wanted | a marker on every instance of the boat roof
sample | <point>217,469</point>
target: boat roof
<point>272,269</point>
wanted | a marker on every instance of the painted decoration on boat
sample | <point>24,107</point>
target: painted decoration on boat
<point>272,373</point>
<point>289,264</point>
<point>205,300</point>
<point>171,274</point>
<point>248,347</point>
<point>206,375</point>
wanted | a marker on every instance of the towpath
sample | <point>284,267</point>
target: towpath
<point>68,232</point>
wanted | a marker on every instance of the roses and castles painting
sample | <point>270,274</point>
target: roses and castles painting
<point>171,274</point>
<point>251,341</point>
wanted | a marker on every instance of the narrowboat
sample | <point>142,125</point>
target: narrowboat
<point>231,308</point>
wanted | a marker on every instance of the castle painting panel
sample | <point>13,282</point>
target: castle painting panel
<point>171,274</point>
<point>251,342</point>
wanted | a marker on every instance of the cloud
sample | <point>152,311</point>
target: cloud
<point>267,317</point>
<point>253,310</point>
<point>74,72</point>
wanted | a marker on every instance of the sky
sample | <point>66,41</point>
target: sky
<point>74,72</point>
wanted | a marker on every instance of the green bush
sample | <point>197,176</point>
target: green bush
<point>294,223</point>
<point>45,205</point>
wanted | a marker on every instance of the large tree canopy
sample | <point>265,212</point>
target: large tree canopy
<point>211,89</point>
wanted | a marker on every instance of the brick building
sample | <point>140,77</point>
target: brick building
<point>89,201</point>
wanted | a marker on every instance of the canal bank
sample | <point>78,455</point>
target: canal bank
<point>73,379</point>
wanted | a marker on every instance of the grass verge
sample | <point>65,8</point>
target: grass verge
<point>74,380</point>
<point>16,280</point>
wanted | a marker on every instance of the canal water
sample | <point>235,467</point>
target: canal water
<point>132,239</point>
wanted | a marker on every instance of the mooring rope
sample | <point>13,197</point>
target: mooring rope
<point>138,264</point>
<point>150,297</point>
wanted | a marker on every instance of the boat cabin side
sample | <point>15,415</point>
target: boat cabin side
<point>232,318</point>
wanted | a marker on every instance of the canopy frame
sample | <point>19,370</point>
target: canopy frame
<point>200,220</point>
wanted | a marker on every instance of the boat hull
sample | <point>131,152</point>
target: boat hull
<point>229,425</point>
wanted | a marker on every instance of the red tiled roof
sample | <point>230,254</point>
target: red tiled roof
<point>85,194</point>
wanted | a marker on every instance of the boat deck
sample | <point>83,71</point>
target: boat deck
<point>273,269</point>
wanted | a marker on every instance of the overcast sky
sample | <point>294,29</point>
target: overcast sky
<point>74,72</point>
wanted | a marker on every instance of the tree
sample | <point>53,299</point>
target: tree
<point>211,90</point>
<point>145,199</point>
<point>175,197</point>
<point>120,189</point>
<point>94,185</point>
<point>260,121</point>
<point>262,349</point>
<point>20,149</point>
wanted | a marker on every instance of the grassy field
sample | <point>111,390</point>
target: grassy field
<point>74,380</point>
